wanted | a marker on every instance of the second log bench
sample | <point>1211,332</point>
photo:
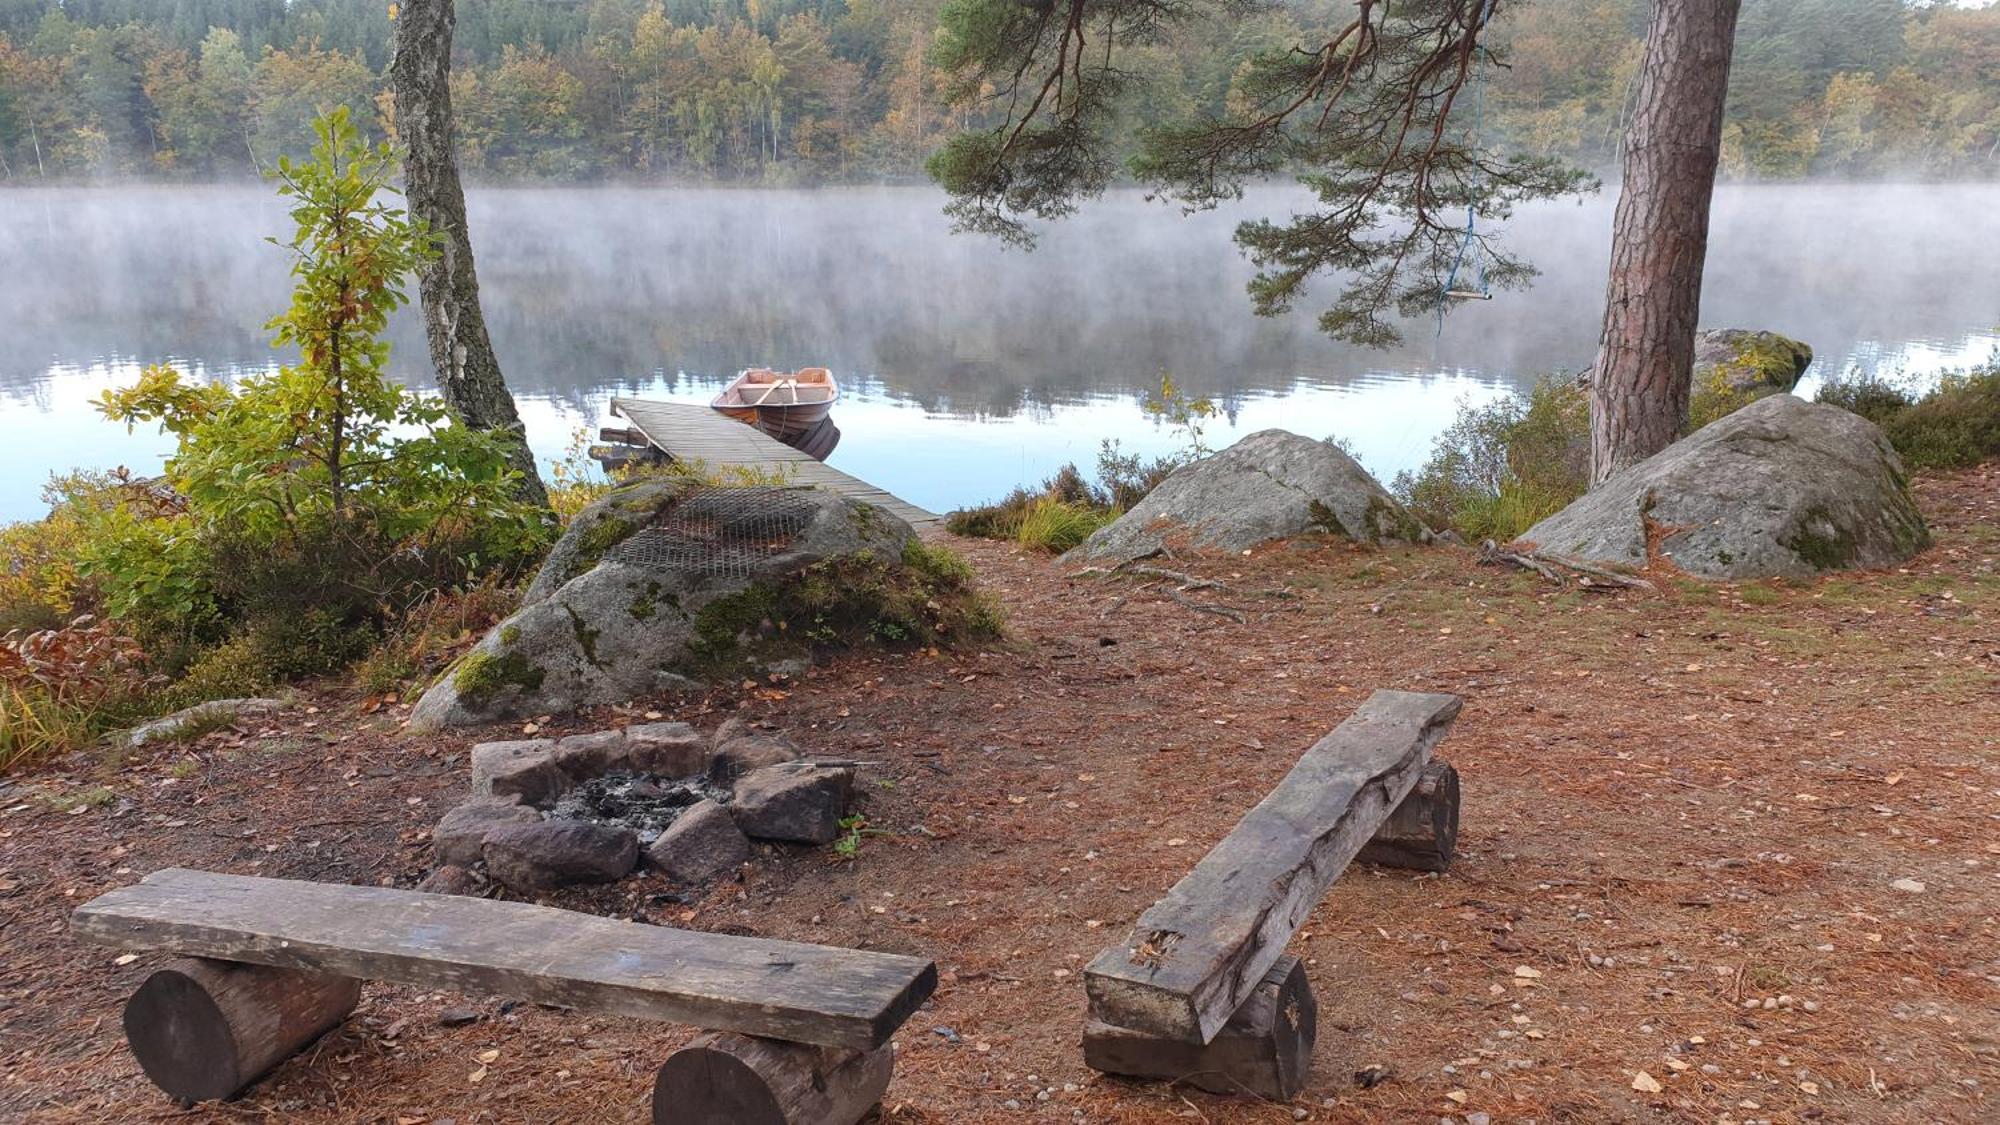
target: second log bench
<point>799,1033</point>
<point>1203,989</point>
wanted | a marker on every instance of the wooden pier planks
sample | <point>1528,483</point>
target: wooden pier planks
<point>691,432</point>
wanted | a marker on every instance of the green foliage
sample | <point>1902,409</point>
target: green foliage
<point>1503,465</point>
<point>1054,525</point>
<point>303,512</point>
<point>1873,399</point>
<point>1956,425</point>
<point>1358,108</point>
<point>853,829</point>
<point>789,91</point>
<point>1186,414</point>
<point>927,598</point>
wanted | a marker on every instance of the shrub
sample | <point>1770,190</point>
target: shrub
<point>1055,525</point>
<point>60,688</point>
<point>1871,398</point>
<point>1502,466</point>
<point>314,505</point>
<point>1955,425</point>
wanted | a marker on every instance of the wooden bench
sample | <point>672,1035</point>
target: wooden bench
<point>273,964</point>
<point>1203,989</point>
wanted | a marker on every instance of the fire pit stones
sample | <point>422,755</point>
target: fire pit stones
<point>545,812</point>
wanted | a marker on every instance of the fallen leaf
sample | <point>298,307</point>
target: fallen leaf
<point>477,1076</point>
<point>1646,1083</point>
<point>1809,1087</point>
<point>1456,1096</point>
<point>487,1056</point>
<point>126,959</point>
<point>1908,886</point>
<point>1527,973</point>
<point>1676,1065</point>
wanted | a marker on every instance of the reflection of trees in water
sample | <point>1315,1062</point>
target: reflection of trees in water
<point>590,290</point>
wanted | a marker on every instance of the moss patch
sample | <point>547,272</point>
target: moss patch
<point>926,597</point>
<point>1324,518</point>
<point>586,637</point>
<point>1832,549</point>
<point>482,675</point>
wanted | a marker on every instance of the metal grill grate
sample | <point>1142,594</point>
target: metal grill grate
<point>719,532</point>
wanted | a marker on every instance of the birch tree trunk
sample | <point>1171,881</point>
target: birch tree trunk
<point>1645,361</point>
<point>468,372</point>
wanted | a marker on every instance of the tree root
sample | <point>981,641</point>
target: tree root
<point>1558,568</point>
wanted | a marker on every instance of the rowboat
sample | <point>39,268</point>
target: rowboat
<point>796,407</point>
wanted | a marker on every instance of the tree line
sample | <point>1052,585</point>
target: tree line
<point>803,91</point>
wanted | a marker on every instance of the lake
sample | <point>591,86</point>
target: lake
<point>969,367</point>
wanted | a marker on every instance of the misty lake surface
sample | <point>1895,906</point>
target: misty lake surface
<point>968,368</point>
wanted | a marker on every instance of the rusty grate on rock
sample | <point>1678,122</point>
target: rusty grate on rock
<point>719,532</point>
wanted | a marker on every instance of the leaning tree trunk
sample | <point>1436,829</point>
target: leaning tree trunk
<point>1645,361</point>
<point>468,372</point>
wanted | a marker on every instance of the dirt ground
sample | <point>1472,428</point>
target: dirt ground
<point>1742,840</point>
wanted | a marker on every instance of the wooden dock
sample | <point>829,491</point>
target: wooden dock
<point>688,431</point>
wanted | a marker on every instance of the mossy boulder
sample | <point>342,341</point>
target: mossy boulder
<point>665,582</point>
<point>1739,359</point>
<point>1270,485</point>
<point>1780,488</point>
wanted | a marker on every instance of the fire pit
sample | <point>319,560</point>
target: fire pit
<point>586,809</point>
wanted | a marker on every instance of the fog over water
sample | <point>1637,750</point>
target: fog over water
<point>969,367</point>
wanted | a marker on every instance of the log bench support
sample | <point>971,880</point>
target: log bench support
<point>1422,834</point>
<point>1203,989</point>
<point>206,1029</point>
<point>799,1033</point>
<point>731,1079</point>
<point>1265,1049</point>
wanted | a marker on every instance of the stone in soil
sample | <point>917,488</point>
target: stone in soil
<point>642,802</point>
<point>702,843</point>
<point>794,801</point>
<point>666,749</point>
<point>748,752</point>
<point>525,769</point>
<point>460,837</point>
<point>583,755</point>
<point>451,879</point>
<point>532,857</point>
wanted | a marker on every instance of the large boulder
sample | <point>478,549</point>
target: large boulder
<point>660,581</point>
<point>1748,362</point>
<point>1270,485</point>
<point>1781,488</point>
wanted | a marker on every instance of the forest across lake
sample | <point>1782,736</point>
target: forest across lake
<point>970,367</point>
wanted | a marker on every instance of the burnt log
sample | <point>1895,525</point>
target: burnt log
<point>205,1029</point>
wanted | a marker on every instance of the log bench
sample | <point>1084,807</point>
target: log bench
<point>798,1034</point>
<point>1203,989</point>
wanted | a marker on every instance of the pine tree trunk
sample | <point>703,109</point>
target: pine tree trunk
<point>467,370</point>
<point>1645,361</point>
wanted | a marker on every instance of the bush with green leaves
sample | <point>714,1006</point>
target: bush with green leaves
<point>1503,465</point>
<point>1953,426</point>
<point>312,504</point>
